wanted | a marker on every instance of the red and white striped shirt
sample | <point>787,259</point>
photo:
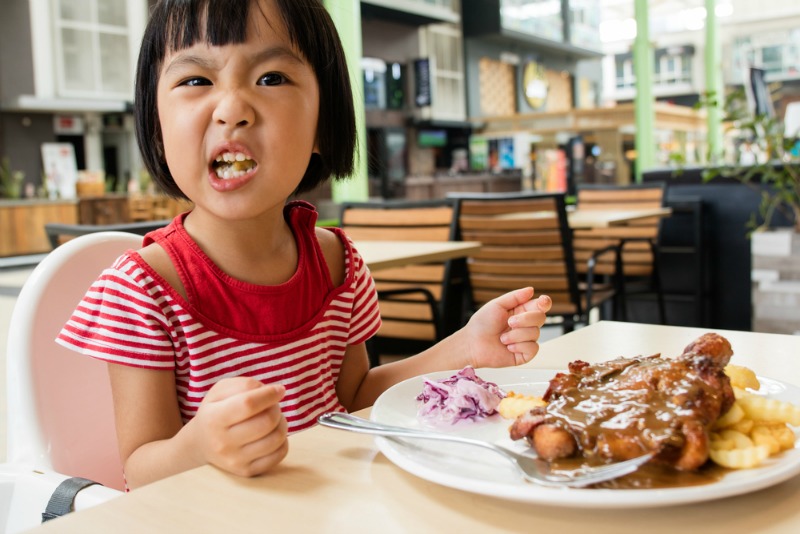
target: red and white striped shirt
<point>295,333</point>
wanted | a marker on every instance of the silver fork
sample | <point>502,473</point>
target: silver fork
<point>531,468</point>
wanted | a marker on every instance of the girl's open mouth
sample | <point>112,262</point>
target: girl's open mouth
<point>232,165</point>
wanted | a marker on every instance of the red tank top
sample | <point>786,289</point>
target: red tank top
<point>240,306</point>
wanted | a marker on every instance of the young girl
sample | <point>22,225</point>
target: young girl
<point>241,322</point>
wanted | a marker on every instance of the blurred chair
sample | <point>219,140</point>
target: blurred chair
<point>60,411</point>
<point>58,233</point>
<point>636,269</point>
<point>420,304</point>
<point>526,242</point>
<point>140,208</point>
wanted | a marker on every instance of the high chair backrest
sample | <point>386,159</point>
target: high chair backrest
<point>60,411</point>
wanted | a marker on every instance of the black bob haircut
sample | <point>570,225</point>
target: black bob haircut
<point>176,25</point>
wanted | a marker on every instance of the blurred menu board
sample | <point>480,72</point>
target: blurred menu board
<point>60,169</point>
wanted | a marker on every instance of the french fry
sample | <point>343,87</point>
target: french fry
<point>731,417</point>
<point>742,377</point>
<point>721,444</point>
<point>771,410</point>
<point>740,440</point>
<point>744,458</point>
<point>754,428</point>
<point>745,426</point>
<point>762,435</point>
<point>515,404</point>
<point>782,434</point>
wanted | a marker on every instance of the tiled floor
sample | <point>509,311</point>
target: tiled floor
<point>10,283</point>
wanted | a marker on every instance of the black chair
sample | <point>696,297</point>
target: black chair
<point>57,233</point>
<point>420,304</point>
<point>526,241</point>
<point>635,269</point>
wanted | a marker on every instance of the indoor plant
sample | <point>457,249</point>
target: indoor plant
<point>767,158</point>
<point>10,180</point>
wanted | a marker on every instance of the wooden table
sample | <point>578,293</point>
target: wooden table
<point>335,481</point>
<point>583,219</point>
<point>580,219</point>
<point>386,254</point>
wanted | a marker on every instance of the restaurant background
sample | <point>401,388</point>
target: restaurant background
<point>457,96</point>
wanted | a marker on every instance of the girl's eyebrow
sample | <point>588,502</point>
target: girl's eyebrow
<point>194,60</point>
<point>191,60</point>
<point>278,52</point>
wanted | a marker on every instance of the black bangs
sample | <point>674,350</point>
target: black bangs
<point>216,22</point>
<point>179,24</point>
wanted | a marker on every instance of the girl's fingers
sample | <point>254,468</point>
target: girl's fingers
<point>523,352</point>
<point>244,405</point>
<point>520,335</point>
<point>544,302</point>
<point>265,462</point>
<point>229,387</point>
<point>512,299</point>
<point>257,427</point>
<point>527,319</point>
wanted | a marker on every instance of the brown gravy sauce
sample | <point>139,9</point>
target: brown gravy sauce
<point>624,403</point>
<point>617,406</point>
<point>651,476</point>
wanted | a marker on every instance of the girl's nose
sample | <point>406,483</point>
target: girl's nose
<point>234,110</point>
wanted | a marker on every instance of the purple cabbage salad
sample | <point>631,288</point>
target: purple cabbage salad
<point>463,396</point>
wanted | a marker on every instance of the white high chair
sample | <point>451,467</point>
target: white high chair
<point>60,411</point>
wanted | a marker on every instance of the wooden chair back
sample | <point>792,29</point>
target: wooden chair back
<point>637,255</point>
<point>414,300</point>
<point>525,242</point>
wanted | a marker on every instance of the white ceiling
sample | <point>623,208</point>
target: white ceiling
<point>665,16</point>
<point>621,9</point>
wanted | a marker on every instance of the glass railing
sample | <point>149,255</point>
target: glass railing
<point>539,18</point>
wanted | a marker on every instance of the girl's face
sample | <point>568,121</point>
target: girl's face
<point>239,121</point>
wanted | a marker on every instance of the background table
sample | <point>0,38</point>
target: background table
<point>335,481</point>
<point>386,254</point>
<point>594,218</point>
<point>604,218</point>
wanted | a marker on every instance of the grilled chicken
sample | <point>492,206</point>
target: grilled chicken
<point>626,407</point>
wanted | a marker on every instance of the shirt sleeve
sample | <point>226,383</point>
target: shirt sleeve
<point>122,319</point>
<point>366,318</point>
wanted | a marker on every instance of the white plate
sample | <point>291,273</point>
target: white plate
<point>478,471</point>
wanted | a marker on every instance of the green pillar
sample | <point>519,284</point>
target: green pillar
<point>714,87</point>
<point>643,69</point>
<point>346,14</point>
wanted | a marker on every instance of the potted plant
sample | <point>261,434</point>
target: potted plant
<point>10,180</point>
<point>767,158</point>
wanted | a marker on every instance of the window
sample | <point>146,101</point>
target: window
<point>541,18</point>
<point>584,24</point>
<point>772,58</point>
<point>625,77</point>
<point>778,53</point>
<point>442,45</point>
<point>93,44</point>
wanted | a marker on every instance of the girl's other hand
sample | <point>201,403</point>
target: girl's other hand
<point>239,426</point>
<point>505,331</point>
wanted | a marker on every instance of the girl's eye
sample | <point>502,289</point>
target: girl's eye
<point>195,82</point>
<point>271,78</point>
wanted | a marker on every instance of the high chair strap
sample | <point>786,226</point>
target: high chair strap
<point>63,497</point>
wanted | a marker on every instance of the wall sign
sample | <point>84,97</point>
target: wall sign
<point>68,125</point>
<point>534,84</point>
<point>422,83</point>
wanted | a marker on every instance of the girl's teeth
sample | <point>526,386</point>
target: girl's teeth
<point>230,165</point>
<point>231,156</point>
